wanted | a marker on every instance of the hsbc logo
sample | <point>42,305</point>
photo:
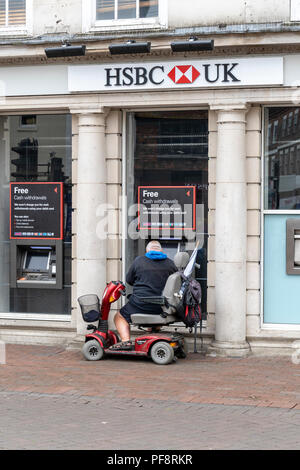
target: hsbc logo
<point>183,74</point>
<point>151,76</point>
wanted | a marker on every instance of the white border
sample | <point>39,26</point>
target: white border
<point>90,24</point>
<point>270,326</point>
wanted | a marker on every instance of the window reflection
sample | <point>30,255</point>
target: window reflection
<point>282,158</point>
<point>35,148</point>
<point>12,13</point>
<point>148,8</point>
<point>124,9</point>
<point>105,9</point>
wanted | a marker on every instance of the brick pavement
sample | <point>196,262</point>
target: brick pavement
<point>53,398</point>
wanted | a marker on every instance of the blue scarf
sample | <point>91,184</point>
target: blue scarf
<point>157,255</point>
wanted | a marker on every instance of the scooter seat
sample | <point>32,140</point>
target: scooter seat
<point>145,319</point>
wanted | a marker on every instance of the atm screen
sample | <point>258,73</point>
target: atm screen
<point>37,262</point>
<point>170,249</point>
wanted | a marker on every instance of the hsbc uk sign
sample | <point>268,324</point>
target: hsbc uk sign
<point>252,71</point>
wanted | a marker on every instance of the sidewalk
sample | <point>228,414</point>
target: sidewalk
<point>255,381</point>
<point>216,395</point>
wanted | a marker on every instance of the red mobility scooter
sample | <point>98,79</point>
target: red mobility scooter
<point>161,347</point>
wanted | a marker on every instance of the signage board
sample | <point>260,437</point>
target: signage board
<point>36,211</point>
<point>56,79</point>
<point>179,74</point>
<point>167,207</point>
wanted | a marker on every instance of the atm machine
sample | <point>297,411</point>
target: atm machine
<point>37,264</point>
<point>36,233</point>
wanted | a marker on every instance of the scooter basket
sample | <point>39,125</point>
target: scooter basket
<point>90,307</point>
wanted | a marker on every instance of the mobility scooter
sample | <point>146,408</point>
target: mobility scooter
<point>161,347</point>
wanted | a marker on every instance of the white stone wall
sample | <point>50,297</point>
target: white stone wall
<point>76,314</point>
<point>54,17</point>
<point>114,191</point>
<point>217,12</point>
<point>254,186</point>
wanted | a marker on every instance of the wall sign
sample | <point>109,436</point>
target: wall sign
<point>167,207</point>
<point>36,211</point>
<point>190,73</point>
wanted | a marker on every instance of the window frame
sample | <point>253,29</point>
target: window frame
<point>89,22</point>
<point>20,30</point>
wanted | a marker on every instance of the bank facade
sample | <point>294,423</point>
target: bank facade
<point>224,122</point>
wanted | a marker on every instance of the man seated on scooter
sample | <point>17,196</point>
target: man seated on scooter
<point>148,275</point>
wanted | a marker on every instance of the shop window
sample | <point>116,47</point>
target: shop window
<point>286,161</point>
<point>296,119</point>
<point>292,161</point>
<point>298,160</point>
<point>283,126</point>
<point>281,167</point>
<point>35,150</point>
<point>28,122</point>
<point>269,136</point>
<point>168,150</point>
<point>290,123</point>
<point>118,14</point>
<point>275,132</point>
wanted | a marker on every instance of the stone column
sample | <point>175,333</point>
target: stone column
<point>91,202</point>
<point>230,232</point>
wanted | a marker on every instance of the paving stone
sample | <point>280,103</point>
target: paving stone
<point>54,399</point>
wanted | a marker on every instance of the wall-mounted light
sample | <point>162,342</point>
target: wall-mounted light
<point>130,47</point>
<point>193,44</point>
<point>66,50</point>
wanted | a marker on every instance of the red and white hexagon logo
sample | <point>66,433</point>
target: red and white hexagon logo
<point>183,74</point>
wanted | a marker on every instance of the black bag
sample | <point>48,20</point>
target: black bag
<point>189,309</point>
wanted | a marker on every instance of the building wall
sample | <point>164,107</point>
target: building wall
<point>191,13</point>
<point>52,17</point>
<point>113,154</point>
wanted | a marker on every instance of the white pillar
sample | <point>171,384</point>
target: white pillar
<point>91,197</point>
<point>231,232</point>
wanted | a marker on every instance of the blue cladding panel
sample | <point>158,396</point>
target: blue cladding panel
<point>281,291</point>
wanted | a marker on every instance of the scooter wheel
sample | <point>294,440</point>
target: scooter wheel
<point>92,350</point>
<point>162,353</point>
